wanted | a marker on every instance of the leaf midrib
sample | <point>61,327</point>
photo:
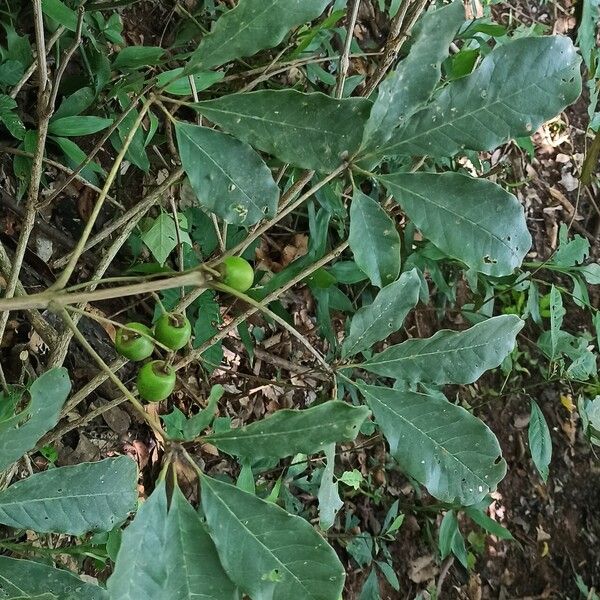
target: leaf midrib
<point>228,40</point>
<point>476,226</point>
<point>425,434</point>
<point>284,124</point>
<point>221,169</point>
<point>251,533</point>
<point>452,122</point>
<point>67,497</point>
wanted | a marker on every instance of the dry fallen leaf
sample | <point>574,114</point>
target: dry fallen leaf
<point>423,569</point>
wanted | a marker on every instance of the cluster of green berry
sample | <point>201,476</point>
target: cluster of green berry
<point>135,341</point>
<point>156,379</point>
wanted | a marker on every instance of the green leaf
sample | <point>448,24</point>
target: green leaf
<point>328,496</point>
<point>20,433</point>
<point>186,566</point>
<point>312,131</point>
<point>137,57</point>
<point>161,238</point>
<point>352,478</point>
<point>73,500</point>
<point>11,120</point>
<point>229,178</point>
<point>76,103</point>
<point>60,13</point>
<point>193,567</point>
<point>206,325</point>
<point>448,530</point>
<point>180,86</point>
<point>384,316</point>
<point>591,273</point>
<point>75,156</point>
<point>557,313</point>
<point>288,432</point>
<point>136,152</point>
<point>11,72</point>
<point>570,252</point>
<point>487,523</point>
<point>370,588</point>
<point>586,33</point>
<point>198,423</point>
<point>540,443</point>
<point>30,580</point>
<point>441,445</point>
<point>78,125</point>
<point>517,87</point>
<point>472,220</point>
<point>252,26</point>
<point>139,572</point>
<point>450,356</point>
<point>266,551</point>
<point>374,240</point>
<point>189,429</point>
<point>408,87</point>
<point>388,572</point>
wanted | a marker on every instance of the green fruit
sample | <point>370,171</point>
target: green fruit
<point>132,345</point>
<point>237,273</point>
<point>173,330</point>
<point>155,381</point>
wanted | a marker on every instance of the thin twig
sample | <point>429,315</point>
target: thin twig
<point>134,214</point>
<point>100,143</point>
<point>197,353</point>
<point>41,326</point>
<point>57,358</point>
<point>44,115</point>
<point>262,308</point>
<point>63,278</point>
<point>67,57</point>
<point>61,167</point>
<point>33,66</point>
<point>53,436</point>
<point>401,29</point>
<point>280,215</point>
<point>344,64</point>
<point>194,277</point>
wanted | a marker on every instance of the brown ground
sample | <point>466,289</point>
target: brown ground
<point>557,527</point>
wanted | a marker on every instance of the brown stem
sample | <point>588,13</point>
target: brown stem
<point>45,299</point>
<point>44,115</point>
<point>198,352</point>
